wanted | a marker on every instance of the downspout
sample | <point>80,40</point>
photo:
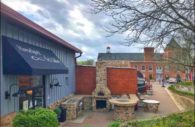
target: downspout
<point>76,69</point>
<point>79,55</point>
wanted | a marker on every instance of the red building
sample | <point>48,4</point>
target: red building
<point>151,64</point>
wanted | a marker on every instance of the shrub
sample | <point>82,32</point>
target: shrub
<point>114,124</point>
<point>39,117</point>
<point>172,88</point>
<point>150,76</point>
<point>58,111</point>
<point>186,83</point>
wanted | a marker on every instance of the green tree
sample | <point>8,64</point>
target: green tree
<point>86,62</point>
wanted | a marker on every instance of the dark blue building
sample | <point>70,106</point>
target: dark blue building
<point>36,67</point>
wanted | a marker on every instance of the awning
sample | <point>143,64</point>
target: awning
<point>20,58</point>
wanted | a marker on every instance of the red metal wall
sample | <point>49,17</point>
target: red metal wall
<point>122,80</point>
<point>85,79</point>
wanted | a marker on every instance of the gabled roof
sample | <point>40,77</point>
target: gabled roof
<point>172,44</point>
<point>20,19</point>
<point>125,56</point>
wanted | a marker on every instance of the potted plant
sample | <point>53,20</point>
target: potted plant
<point>58,111</point>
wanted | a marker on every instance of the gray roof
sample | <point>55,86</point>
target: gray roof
<point>125,56</point>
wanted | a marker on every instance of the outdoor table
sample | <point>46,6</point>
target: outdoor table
<point>151,105</point>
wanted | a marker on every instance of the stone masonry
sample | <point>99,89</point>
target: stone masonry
<point>101,91</point>
<point>101,74</point>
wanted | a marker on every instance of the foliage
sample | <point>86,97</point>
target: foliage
<point>172,88</point>
<point>152,23</point>
<point>147,20</point>
<point>39,117</point>
<point>58,111</point>
<point>87,62</point>
<point>186,83</point>
<point>167,77</point>
<point>114,124</point>
<point>150,76</point>
<point>185,119</point>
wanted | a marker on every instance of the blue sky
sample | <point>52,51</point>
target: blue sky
<point>73,21</point>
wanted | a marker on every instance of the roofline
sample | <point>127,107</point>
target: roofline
<point>20,19</point>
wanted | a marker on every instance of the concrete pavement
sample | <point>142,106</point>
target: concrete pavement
<point>102,119</point>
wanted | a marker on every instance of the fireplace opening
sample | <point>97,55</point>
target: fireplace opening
<point>100,104</point>
<point>100,93</point>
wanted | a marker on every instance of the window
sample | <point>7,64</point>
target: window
<point>150,67</point>
<point>32,96</point>
<point>143,67</point>
<point>135,66</point>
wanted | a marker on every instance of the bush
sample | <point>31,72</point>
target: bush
<point>186,83</point>
<point>114,124</point>
<point>39,117</point>
<point>58,111</point>
<point>150,76</point>
<point>172,88</point>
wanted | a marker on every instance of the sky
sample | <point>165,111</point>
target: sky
<point>74,22</point>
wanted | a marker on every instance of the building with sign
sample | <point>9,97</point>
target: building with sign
<point>37,68</point>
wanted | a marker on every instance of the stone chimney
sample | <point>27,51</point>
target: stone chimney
<point>148,54</point>
<point>108,49</point>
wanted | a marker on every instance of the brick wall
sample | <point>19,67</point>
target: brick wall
<point>148,54</point>
<point>122,80</point>
<point>85,79</point>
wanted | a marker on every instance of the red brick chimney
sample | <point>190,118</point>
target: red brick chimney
<point>148,54</point>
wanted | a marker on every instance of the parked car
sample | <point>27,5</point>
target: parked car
<point>141,85</point>
<point>140,82</point>
<point>172,80</point>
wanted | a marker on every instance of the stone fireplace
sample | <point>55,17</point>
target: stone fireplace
<point>102,94</point>
<point>100,102</point>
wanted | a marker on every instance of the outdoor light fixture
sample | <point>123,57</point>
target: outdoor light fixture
<point>29,92</point>
<point>54,82</point>
<point>15,94</point>
<point>8,93</point>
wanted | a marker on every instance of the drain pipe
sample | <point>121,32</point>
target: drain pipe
<point>77,57</point>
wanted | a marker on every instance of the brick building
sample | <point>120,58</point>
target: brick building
<point>151,64</point>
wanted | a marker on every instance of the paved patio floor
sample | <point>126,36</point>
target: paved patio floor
<point>102,119</point>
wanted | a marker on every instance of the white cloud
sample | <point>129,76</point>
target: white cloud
<point>75,25</point>
<point>78,20</point>
<point>22,6</point>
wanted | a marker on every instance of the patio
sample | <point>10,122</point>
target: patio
<point>102,119</point>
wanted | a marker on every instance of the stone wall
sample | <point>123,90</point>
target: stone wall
<point>123,113</point>
<point>101,74</point>
<point>59,102</point>
<point>87,103</point>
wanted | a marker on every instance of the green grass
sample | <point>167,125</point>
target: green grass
<point>185,93</point>
<point>173,89</point>
<point>186,83</point>
<point>185,119</point>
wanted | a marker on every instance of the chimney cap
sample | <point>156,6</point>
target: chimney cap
<point>108,49</point>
